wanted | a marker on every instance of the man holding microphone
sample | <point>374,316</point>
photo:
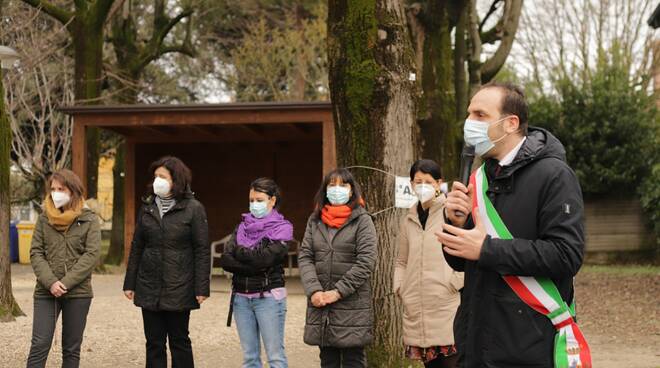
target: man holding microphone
<point>517,232</point>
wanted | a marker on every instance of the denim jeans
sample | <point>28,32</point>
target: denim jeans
<point>261,317</point>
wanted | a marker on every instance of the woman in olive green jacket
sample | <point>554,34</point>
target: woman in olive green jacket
<point>66,246</point>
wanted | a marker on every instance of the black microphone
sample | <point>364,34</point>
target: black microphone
<point>467,158</point>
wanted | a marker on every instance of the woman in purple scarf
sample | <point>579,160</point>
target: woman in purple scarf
<point>255,254</point>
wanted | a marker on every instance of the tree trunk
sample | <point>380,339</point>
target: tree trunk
<point>88,74</point>
<point>88,60</point>
<point>460,57</point>
<point>370,58</point>
<point>132,58</point>
<point>437,108</point>
<point>8,306</point>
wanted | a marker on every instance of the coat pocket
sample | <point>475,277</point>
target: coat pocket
<point>518,335</point>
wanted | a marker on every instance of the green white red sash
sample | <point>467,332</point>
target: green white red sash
<point>540,293</point>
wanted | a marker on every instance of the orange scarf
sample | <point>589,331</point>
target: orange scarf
<point>335,216</point>
<point>61,220</point>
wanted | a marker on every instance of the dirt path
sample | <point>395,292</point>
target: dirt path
<point>620,314</point>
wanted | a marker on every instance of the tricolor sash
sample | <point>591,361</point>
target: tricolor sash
<point>540,293</point>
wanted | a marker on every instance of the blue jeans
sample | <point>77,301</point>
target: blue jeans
<point>265,317</point>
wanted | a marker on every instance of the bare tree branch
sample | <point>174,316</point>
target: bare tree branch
<point>493,8</point>
<point>101,10</point>
<point>58,13</point>
<point>512,11</point>
<point>41,135</point>
<point>474,60</point>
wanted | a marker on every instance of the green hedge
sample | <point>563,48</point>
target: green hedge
<point>610,129</point>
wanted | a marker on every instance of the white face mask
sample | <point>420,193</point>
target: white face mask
<point>475,134</point>
<point>161,187</point>
<point>425,192</point>
<point>60,199</point>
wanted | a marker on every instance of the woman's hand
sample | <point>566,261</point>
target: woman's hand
<point>58,289</point>
<point>201,298</point>
<point>129,294</point>
<point>318,300</point>
<point>331,296</point>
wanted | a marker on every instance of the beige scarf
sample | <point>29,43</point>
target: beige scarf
<point>61,220</point>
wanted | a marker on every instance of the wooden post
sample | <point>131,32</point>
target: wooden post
<point>79,149</point>
<point>129,198</point>
<point>329,150</point>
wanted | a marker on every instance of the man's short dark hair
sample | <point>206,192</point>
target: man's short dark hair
<point>513,101</point>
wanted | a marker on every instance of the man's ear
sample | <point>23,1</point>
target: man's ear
<point>513,124</point>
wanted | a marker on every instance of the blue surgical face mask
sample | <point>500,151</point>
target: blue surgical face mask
<point>259,209</point>
<point>475,134</point>
<point>338,195</point>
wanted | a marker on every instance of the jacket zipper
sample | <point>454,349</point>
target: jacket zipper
<point>159,219</point>
<point>66,250</point>
<point>421,277</point>
<point>326,318</point>
<point>326,322</point>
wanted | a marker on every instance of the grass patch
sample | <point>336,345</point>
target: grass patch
<point>623,270</point>
<point>114,269</point>
<point>105,245</point>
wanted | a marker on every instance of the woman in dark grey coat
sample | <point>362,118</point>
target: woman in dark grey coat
<point>168,268</point>
<point>337,257</point>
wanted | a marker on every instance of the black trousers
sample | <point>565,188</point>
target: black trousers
<point>162,326</point>
<point>443,362</point>
<point>74,318</point>
<point>343,358</point>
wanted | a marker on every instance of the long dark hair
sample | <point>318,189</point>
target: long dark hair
<point>346,177</point>
<point>181,175</point>
<point>268,186</point>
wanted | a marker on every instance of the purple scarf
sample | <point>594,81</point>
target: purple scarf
<point>252,230</point>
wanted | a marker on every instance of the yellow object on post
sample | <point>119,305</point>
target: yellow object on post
<point>25,231</point>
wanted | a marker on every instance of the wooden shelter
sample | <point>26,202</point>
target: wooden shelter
<point>226,146</point>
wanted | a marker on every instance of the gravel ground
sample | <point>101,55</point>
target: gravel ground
<point>114,337</point>
<point>618,309</point>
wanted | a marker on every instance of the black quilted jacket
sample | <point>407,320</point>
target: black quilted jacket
<point>169,263</point>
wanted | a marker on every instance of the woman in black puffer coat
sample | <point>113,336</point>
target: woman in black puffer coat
<point>169,265</point>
